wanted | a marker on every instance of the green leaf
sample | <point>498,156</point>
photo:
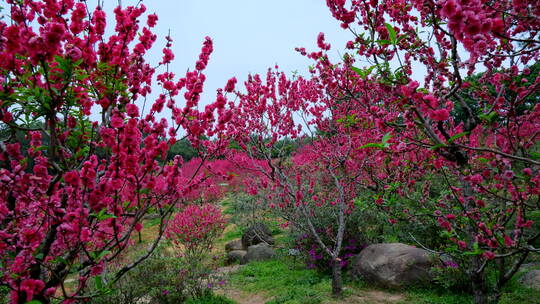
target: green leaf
<point>106,217</point>
<point>476,250</point>
<point>438,146</point>
<point>102,254</point>
<point>349,120</point>
<point>445,234</point>
<point>82,152</point>
<point>60,260</point>
<point>358,71</point>
<point>489,118</point>
<point>34,302</point>
<point>372,145</point>
<point>391,33</point>
<point>363,73</point>
<point>535,213</point>
<point>535,155</point>
<point>102,215</point>
<point>386,137</point>
<point>451,139</point>
<point>384,42</point>
<point>99,282</point>
<point>144,191</point>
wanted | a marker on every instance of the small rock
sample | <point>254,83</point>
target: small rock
<point>235,256</point>
<point>294,252</point>
<point>531,279</point>
<point>258,252</point>
<point>256,234</point>
<point>234,245</point>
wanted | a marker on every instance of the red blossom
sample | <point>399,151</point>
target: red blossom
<point>152,19</point>
<point>440,115</point>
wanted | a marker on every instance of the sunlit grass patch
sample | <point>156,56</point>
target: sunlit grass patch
<point>283,281</point>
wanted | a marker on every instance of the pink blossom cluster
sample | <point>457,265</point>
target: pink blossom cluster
<point>196,226</point>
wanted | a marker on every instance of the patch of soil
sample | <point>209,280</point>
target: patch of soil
<point>242,297</point>
<point>228,269</point>
<point>370,297</point>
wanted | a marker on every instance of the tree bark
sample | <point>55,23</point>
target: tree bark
<point>479,288</point>
<point>337,280</point>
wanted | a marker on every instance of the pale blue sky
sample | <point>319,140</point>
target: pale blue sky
<point>249,35</point>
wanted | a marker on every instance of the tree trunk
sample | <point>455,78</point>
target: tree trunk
<point>479,288</point>
<point>477,268</point>
<point>337,281</point>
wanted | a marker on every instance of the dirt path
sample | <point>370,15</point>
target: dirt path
<point>243,297</point>
<point>363,297</point>
<point>371,297</point>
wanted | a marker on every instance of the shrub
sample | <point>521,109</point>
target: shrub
<point>451,277</point>
<point>195,228</point>
<point>193,232</point>
<point>159,279</point>
<point>163,278</point>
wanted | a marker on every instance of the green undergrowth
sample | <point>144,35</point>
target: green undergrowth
<point>232,234</point>
<point>283,281</point>
<point>514,292</point>
<point>435,296</point>
<point>152,222</point>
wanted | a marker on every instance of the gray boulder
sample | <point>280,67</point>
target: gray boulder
<point>531,279</point>
<point>394,265</point>
<point>256,234</point>
<point>234,245</point>
<point>258,252</point>
<point>235,256</point>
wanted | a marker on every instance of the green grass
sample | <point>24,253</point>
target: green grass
<point>436,296</point>
<point>230,235</point>
<point>152,222</point>
<point>227,205</point>
<point>283,281</point>
<point>522,295</point>
<point>514,292</point>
